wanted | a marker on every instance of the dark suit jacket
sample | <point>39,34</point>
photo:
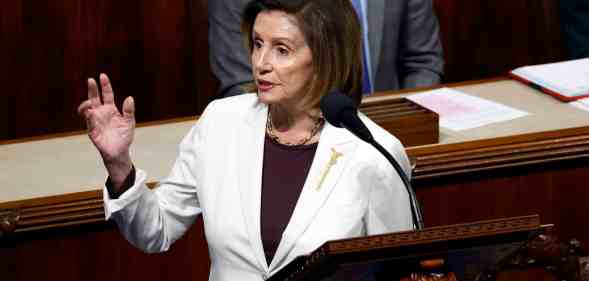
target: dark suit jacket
<point>404,43</point>
<point>575,27</point>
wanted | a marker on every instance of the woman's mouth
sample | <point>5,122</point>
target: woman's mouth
<point>265,86</point>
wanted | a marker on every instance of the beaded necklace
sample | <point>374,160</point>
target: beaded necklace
<point>270,131</point>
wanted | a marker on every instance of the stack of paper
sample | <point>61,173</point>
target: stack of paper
<point>459,111</point>
<point>566,81</point>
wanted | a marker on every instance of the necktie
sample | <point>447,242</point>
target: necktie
<point>366,77</point>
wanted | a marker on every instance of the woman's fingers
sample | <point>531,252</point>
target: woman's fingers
<point>108,96</point>
<point>84,107</point>
<point>129,107</point>
<point>93,93</point>
<point>85,110</point>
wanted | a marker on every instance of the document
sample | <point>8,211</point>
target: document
<point>566,81</point>
<point>459,111</point>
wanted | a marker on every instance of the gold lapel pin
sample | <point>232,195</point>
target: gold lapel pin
<point>332,161</point>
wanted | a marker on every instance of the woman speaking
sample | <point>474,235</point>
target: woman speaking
<point>270,177</point>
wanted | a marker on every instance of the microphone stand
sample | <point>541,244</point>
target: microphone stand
<point>415,208</point>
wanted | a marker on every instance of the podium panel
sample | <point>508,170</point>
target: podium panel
<point>468,250</point>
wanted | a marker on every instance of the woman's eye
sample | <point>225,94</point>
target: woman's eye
<point>257,44</point>
<point>283,51</point>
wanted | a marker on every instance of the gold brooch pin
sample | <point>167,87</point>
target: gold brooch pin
<point>332,161</point>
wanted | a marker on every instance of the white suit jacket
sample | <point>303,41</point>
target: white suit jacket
<point>218,174</point>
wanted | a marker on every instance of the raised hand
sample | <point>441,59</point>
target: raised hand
<point>110,131</point>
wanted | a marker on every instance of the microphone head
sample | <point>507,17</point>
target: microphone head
<point>339,110</point>
<point>333,105</point>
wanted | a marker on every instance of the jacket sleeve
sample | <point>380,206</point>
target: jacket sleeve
<point>421,60</point>
<point>152,220</point>
<point>229,58</point>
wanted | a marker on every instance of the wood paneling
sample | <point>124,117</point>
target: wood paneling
<point>555,189</point>
<point>488,38</point>
<point>499,153</point>
<point>65,238</point>
<point>98,252</point>
<point>156,51</point>
<point>539,173</point>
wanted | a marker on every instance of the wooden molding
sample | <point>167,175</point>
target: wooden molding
<point>428,242</point>
<point>58,211</point>
<point>508,152</point>
<point>435,234</point>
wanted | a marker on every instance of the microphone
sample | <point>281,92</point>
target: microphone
<point>339,110</point>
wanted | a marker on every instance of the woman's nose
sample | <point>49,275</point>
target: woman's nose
<point>262,62</point>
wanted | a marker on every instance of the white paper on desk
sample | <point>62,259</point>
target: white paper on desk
<point>581,104</point>
<point>568,78</point>
<point>459,111</point>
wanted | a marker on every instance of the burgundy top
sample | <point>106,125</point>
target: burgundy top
<point>283,176</point>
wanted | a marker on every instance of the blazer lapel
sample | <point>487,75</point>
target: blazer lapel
<point>250,177</point>
<point>376,14</point>
<point>321,180</point>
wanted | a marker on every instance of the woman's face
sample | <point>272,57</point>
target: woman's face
<point>281,59</point>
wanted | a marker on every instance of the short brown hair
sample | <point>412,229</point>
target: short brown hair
<point>332,31</point>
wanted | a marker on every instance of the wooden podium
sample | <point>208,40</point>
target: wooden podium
<point>471,251</point>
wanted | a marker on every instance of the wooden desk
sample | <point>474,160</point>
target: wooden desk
<point>537,164</point>
<point>532,165</point>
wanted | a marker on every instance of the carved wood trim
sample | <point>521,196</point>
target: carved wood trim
<point>513,151</point>
<point>425,242</point>
<point>58,211</point>
<point>435,234</point>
